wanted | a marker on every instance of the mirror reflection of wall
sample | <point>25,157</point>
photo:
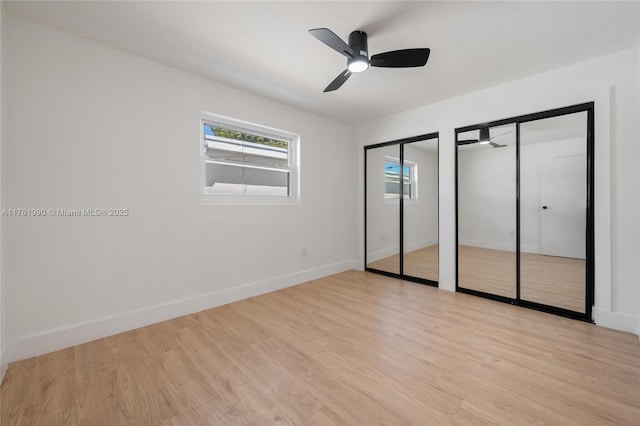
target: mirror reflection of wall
<point>402,208</point>
<point>421,211</point>
<point>553,193</point>
<point>383,213</point>
<point>487,210</point>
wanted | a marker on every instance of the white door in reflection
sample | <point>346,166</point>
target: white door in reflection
<point>563,217</point>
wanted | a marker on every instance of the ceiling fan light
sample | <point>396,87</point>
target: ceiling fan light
<point>484,142</point>
<point>358,64</point>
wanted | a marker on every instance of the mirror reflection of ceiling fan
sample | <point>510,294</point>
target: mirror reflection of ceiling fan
<point>485,138</point>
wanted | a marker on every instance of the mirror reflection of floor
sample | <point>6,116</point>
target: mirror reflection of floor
<point>422,263</point>
<point>550,280</point>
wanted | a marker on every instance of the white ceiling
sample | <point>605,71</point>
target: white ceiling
<point>263,47</point>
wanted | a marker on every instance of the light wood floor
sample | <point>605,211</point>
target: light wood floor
<point>550,280</point>
<point>353,348</point>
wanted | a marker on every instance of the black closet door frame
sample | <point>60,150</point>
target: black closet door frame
<point>401,143</point>
<point>589,108</point>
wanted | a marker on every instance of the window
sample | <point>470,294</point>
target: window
<point>392,179</point>
<point>246,162</point>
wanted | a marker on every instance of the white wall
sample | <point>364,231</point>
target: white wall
<point>610,81</point>
<point>383,215</point>
<point>421,214</point>
<point>92,127</point>
<point>3,363</point>
<point>487,197</point>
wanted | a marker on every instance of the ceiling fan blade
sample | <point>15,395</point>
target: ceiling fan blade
<point>338,81</point>
<point>467,141</point>
<point>401,58</point>
<point>329,38</point>
<point>501,134</point>
<point>496,145</point>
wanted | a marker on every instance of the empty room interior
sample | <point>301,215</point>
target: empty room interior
<point>319,212</point>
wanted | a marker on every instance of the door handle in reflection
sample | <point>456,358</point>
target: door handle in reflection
<point>544,207</point>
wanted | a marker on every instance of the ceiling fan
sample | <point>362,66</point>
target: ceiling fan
<point>485,138</point>
<point>357,55</point>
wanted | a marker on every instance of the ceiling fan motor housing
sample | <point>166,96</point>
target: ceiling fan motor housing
<point>358,44</point>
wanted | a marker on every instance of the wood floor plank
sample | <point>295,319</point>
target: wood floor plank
<point>352,348</point>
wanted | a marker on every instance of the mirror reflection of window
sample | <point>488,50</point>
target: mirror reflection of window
<point>392,178</point>
<point>553,193</point>
<point>487,210</point>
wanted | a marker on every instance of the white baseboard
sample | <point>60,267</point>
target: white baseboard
<point>55,339</point>
<point>3,365</point>
<point>384,253</point>
<point>529,249</point>
<point>617,321</point>
<point>494,245</point>
<point>420,245</point>
<point>381,254</point>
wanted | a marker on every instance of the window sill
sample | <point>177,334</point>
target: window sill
<point>397,201</point>
<point>208,199</point>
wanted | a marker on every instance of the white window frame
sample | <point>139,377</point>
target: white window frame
<point>293,162</point>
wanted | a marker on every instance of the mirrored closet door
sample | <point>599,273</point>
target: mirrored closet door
<point>553,211</point>
<point>487,210</point>
<point>401,208</point>
<point>525,210</point>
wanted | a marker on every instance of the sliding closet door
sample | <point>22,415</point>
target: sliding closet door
<point>401,208</point>
<point>553,211</point>
<point>487,203</point>
<point>383,186</point>
<point>420,210</point>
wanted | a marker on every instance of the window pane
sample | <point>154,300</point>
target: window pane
<point>233,145</point>
<point>391,179</point>
<point>247,152</point>
<point>225,189</point>
<point>221,178</point>
<point>262,190</point>
<point>391,188</point>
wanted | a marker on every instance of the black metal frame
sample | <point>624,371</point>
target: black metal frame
<point>588,107</point>
<point>401,143</point>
